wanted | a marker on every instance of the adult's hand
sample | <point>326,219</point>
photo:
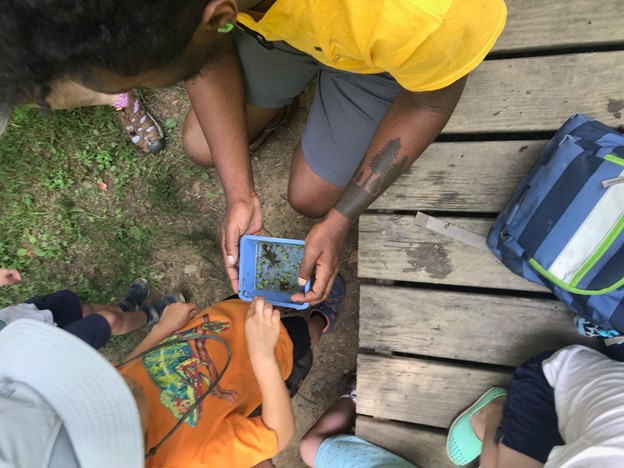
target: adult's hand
<point>242,216</point>
<point>323,246</point>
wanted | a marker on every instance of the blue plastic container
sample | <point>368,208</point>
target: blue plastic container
<point>269,267</point>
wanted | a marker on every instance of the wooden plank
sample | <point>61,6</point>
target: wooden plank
<point>392,247</point>
<point>540,93</point>
<point>425,448</point>
<point>465,176</point>
<point>537,24</point>
<point>469,327</point>
<point>420,391</point>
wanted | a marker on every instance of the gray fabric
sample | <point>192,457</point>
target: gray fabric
<point>273,77</point>
<point>345,113</point>
<point>25,311</point>
<point>63,455</point>
<point>76,387</point>
<point>30,426</point>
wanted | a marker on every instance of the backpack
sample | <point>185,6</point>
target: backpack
<point>564,226</point>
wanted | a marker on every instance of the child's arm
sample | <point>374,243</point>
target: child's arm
<point>262,330</point>
<point>8,277</point>
<point>174,317</point>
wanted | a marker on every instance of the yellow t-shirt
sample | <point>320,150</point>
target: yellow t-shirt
<point>424,44</point>
<point>219,434</point>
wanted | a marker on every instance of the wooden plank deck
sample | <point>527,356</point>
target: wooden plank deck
<point>542,25</point>
<point>539,93</point>
<point>441,321</point>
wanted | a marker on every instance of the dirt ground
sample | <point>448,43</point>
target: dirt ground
<point>196,268</point>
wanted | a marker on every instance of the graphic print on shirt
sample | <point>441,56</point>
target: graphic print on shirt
<point>183,375</point>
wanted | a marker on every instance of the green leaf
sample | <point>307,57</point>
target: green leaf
<point>171,123</point>
<point>135,232</point>
<point>21,252</point>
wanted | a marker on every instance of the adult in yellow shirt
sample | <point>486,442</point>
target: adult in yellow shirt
<point>389,74</point>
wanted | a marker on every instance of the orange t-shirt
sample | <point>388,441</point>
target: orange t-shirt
<point>218,433</point>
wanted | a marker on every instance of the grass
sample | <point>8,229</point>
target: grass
<point>81,208</point>
<point>76,203</point>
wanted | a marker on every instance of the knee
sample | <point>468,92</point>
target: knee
<point>308,447</point>
<point>305,203</point>
<point>194,142</point>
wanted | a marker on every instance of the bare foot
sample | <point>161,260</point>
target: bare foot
<point>480,419</point>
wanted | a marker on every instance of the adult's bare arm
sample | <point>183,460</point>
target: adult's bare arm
<point>217,96</point>
<point>413,121</point>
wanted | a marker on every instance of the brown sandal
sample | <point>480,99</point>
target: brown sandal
<point>143,129</point>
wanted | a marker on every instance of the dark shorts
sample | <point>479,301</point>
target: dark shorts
<point>297,328</point>
<point>67,314</point>
<point>529,424</point>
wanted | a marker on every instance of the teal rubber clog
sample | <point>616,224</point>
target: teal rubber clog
<point>462,444</point>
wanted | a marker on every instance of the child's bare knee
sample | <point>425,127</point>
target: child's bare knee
<point>308,447</point>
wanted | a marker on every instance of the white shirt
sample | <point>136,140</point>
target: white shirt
<point>589,399</point>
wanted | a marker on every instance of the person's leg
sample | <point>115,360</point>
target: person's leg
<point>343,119</point>
<point>194,141</point>
<point>142,128</point>
<point>330,443</point>
<point>67,94</point>
<point>315,328</point>
<point>497,455</point>
<point>338,419</point>
<point>519,430</point>
<point>68,314</point>
<point>120,322</point>
<point>93,329</point>
<point>64,305</point>
<point>125,316</point>
<point>272,78</point>
<point>305,335</point>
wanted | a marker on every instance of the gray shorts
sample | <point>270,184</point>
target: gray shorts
<point>345,113</point>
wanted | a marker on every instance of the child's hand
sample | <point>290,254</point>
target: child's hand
<point>262,330</point>
<point>176,316</point>
<point>8,277</point>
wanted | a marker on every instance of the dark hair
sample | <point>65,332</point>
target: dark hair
<point>43,40</point>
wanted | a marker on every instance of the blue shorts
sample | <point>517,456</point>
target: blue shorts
<point>529,424</point>
<point>67,314</point>
<point>348,450</point>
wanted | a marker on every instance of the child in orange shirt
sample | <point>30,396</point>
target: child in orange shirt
<point>194,381</point>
